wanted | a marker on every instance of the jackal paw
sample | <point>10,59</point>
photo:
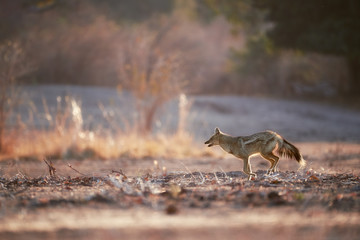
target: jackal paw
<point>251,175</point>
<point>270,171</point>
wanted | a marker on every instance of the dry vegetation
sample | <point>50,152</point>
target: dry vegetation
<point>67,138</point>
<point>10,68</point>
<point>89,146</point>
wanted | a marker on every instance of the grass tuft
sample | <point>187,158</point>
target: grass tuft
<point>66,138</point>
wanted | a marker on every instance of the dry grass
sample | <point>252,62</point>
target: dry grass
<point>39,144</point>
<point>67,138</point>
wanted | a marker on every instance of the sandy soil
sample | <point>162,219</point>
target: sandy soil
<point>197,198</point>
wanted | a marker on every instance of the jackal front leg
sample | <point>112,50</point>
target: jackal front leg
<point>247,168</point>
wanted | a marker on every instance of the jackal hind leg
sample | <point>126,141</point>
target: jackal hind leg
<point>276,162</point>
<point>272,163</point>
<point>247,169</point>
<point>273,159</point>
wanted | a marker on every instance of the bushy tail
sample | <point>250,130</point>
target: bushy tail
<point>290,151</point>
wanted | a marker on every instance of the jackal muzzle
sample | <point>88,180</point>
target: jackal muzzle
<point>208,142</point>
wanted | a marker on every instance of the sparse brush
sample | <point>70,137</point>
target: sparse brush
<point>43,143</point>
<point>67,138</point>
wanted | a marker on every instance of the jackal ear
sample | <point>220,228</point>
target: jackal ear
<point>217,130</point>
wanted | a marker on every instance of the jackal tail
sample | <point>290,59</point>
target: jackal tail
<point>290,151</point>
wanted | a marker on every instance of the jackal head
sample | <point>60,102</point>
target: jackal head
<point>214,139</point>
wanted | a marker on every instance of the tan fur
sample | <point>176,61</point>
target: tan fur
<point>263,143</point>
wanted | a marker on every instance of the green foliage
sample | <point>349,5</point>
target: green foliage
<point>255,66</point>
<point>322,26</point>
<point>130,10</point>
<point>330,27</point>
<point>240,13</point>
<point>255,58</point>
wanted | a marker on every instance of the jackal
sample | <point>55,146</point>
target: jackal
<point>263,143</point>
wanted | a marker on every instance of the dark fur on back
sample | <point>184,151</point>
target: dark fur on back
<point>290,151</point>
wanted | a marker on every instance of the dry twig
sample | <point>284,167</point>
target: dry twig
<point>120,172</point>
<point>52,169</point>
<point>69,165</point>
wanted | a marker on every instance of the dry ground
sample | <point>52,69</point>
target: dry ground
<point>195,198</point>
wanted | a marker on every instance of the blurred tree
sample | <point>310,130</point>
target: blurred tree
<point>324,26</point>
<point>11,67</point>
<point>255,64</point>
<point>18,16</point>
<point>240,13</point>
<point>69,40</point>
<point>130,10</point>
<point>254,61</point>
<point>153,73</point>
<point>11,19</point>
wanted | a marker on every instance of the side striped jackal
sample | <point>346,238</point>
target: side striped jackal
<point>263,143</point>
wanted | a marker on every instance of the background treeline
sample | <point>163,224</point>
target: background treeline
<point>263,47</point>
